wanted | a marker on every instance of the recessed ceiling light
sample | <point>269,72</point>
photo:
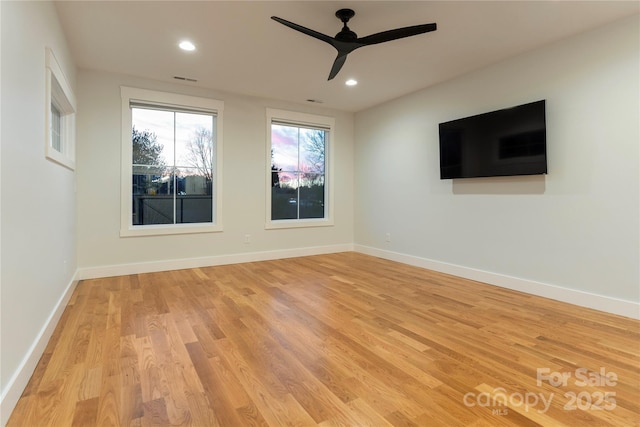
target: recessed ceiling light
<point>351,82</point>
<point>187,45</point>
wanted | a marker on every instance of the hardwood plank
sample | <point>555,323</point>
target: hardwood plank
<point>90,384</point>
<point>337,339</point>
<point>110,404</point>
<point>86,412</point>
<point>214,387</point>
<point>155,414</point>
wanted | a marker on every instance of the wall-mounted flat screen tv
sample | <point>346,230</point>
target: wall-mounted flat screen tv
<point>506,142</point>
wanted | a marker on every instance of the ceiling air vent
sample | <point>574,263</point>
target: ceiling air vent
<point>186,79</point>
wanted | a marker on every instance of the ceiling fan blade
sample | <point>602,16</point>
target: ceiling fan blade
<point>304,30</point>
<point>398,33</point>
<point>337,65</point>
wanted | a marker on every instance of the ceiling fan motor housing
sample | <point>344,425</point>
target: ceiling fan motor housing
<point>345,34</point>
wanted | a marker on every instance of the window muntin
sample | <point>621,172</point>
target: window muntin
<point>171,163</point>
<point>299,147</point>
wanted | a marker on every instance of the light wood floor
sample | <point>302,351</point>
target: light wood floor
<point>332,340</point>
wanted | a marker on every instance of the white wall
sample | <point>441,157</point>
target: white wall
<point>38,197</point>
<point>576,228</point>
<point>101,249</point>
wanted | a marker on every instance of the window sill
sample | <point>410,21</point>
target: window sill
<point>60,158</point>
<point>163,230</point>
<point>297,223</point>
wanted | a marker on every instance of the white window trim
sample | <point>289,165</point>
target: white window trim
<point>302,119</point>
<point>169,100</point>
<point>63,97</point>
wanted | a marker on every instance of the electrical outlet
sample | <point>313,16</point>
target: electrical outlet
<point>387,237</point>
<point>247,239</point>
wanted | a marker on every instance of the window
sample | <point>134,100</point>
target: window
<point>59,115</point>
<point>171,163</point>
<point>299,169</point>
<point>56,129</point>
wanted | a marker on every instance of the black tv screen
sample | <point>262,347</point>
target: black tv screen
<point>506,142</point>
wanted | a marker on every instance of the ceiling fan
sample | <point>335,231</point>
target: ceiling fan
<point>346,41</point>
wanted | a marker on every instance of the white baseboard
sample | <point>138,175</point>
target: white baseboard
<point>572,296</point>
<point>20,379</point>
<point>179,264</point>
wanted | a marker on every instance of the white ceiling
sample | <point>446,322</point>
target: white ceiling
<point>241,50</point>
